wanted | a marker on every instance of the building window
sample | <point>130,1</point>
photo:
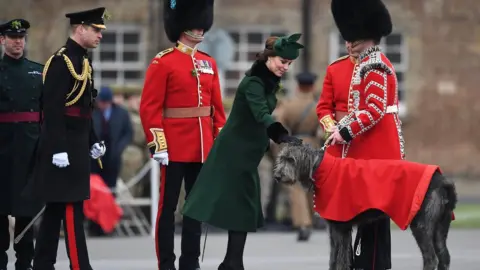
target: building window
<point>249,41</point>
<point>394,47</point>
<point>120,59</point>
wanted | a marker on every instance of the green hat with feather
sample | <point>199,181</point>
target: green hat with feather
<point>288,47</point>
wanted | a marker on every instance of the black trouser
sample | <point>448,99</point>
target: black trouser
<point>24,248</point>
<point>372,248</point>
<point>49,236</point>
<point>170,185</point>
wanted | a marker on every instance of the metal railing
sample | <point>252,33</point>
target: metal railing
<point>133,215</point>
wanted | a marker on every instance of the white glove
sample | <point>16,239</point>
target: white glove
<point>161,157</point>
<point>60,160</point>
<point>98,150</point>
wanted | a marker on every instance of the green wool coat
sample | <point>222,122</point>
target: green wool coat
<point>227,191</point>
<point>20,92</point>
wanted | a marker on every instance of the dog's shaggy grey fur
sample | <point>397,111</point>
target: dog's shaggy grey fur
<point>429,227</point>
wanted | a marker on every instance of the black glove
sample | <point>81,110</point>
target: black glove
<point>290,140</point>
<point>279,134</point>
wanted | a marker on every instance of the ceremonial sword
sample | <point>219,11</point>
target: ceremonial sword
<point>20,236</point>
<point>39,214</point>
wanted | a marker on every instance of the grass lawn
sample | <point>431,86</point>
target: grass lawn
<point>466,216</point>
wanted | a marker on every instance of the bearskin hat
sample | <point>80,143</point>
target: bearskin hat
<point>361,19</point>
<point>182,15</point>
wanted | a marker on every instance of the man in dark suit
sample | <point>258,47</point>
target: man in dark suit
<point>112,125</point>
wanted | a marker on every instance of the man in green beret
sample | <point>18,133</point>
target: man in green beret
<point>20,89</point>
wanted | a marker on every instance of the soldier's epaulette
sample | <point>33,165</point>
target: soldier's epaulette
<point>202,52</point>
<point>164,52</point>
<point>60,51</point>
<point>340,59</point>
<point>374,61</point>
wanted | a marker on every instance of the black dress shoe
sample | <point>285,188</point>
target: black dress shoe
<point>224,266</point>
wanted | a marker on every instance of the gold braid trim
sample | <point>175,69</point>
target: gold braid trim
<point>86,74</point>
<point>327,122</point>
<point>159,141</point>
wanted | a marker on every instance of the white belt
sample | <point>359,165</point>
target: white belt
<point>390,109</point>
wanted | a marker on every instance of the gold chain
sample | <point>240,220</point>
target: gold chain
<point>85,77</point>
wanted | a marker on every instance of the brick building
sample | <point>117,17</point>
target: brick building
<point>435,48</point>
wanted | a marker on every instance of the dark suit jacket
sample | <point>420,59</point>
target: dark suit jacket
<point>121,133</point>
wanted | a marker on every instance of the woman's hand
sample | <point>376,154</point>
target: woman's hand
<point>279,134</point>
<point>290,140</point>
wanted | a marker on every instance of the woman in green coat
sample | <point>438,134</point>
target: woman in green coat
<point>227,191</point>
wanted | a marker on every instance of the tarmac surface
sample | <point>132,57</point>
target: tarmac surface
<point>265,251</point>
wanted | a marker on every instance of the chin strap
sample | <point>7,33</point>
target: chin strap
<point>192,35</point>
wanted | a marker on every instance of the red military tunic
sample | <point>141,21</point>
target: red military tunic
<point>181,106</point>
<point>346,187</point>
<point>372,127</point>
<point>334,100</point>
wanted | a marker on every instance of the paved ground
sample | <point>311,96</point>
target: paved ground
<point>278,251</point>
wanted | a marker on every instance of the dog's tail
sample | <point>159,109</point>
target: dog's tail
<point>451,192</point>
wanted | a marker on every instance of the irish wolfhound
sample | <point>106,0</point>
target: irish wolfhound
<point>429,223</point>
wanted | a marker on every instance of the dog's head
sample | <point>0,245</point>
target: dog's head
<point>297,163</point>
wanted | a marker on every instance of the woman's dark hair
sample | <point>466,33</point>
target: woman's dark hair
<point>268,50</point>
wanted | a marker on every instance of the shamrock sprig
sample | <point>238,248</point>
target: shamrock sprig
<point>194,72</point>
<point>16,24</point>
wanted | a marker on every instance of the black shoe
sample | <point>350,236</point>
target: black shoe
<point>194,268</point>
<point>23,266</point>
<point>224,266</point>
<point>304,234</point>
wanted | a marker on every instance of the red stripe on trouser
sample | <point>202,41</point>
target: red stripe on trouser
<point>72,241</point>
<point>163,170</point>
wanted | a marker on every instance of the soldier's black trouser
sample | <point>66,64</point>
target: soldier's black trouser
<point>24,248</point>
<point>49,236</point>
<point>170,185</point>
<point>372,248</point>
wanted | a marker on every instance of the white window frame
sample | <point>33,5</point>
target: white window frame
<point>402,67</point>
<point>244,48</point>
<point>119,65</point>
